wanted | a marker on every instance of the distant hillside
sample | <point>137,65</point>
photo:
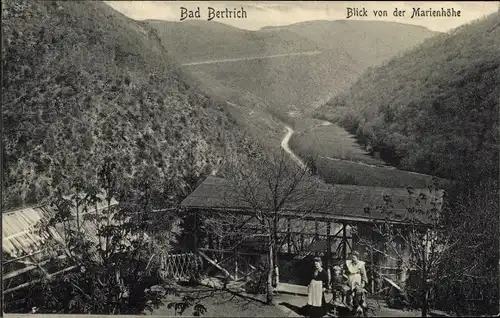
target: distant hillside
<point>434,109</point>
<point>298,82</point>
<point>367,42</point>
<point>82,82</point>
<point>194,40</point>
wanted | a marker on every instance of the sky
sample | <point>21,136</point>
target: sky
<point>275,13</point>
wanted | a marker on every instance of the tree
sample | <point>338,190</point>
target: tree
<point>270,187</point>
<point>108,254</point>
<point>421,244</point>
<point>474,207</point>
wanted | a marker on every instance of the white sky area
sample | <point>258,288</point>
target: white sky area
<point>274,13</point>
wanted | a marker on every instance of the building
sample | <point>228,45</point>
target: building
<point>306,227</point>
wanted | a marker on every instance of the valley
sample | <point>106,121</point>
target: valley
<point>337,155</point>
<point>275,79</point>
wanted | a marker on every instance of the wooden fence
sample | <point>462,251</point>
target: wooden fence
<point>180,266</point>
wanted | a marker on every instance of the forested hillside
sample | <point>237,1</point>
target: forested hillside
<point>83,83</point>
<point>435,109</point>
<point>367,42</point>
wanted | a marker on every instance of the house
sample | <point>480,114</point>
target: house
<point>308,226</point>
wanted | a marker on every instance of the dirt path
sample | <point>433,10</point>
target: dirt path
<point>251,58</point>
<point>286,147</point>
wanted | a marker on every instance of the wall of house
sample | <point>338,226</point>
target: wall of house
<point>309,238</point>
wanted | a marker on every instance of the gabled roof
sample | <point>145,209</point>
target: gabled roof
<point>347,201</point>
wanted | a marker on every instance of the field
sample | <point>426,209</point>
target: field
<point>324,140</point>
<point>340,159</point>
<point>347,172</point>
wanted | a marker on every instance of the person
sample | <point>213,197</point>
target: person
<point>338,287</point>
<point>336,282</point>
<point>355,272</point>
<point>316,290</point>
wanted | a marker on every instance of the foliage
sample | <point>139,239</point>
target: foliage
<point>110,256</point>
<point>187,301</point>
<point>81,82</point>
<point>427,246</point>
<point>434,109</point>
<point>111,251</point>
<point>472,283</point>
<point>257,282</point>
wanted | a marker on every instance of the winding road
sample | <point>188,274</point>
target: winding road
<point>284,145</point>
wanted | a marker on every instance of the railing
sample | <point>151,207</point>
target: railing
<point>180,266</point>
<point>234,264</point>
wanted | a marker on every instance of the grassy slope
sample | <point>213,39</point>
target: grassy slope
<point>434,109</point>
<point>82,82</point>
<point>368,42</point>
<point>247,109</point>
<point>330,141</point>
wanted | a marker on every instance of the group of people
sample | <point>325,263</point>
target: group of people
<point>347,280</point>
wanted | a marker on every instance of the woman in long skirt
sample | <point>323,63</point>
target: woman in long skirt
<point>316,290</point>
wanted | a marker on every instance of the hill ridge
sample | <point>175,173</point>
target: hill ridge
<point>432,108</point>
<point>343,21</point>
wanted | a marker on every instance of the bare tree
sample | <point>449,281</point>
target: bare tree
<point>420,242</point>
<point>272,188</point>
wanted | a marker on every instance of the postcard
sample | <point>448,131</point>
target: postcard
<point>250,158</point>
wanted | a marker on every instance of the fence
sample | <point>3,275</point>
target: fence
<point>180,266</point>
<point>232,263</point>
